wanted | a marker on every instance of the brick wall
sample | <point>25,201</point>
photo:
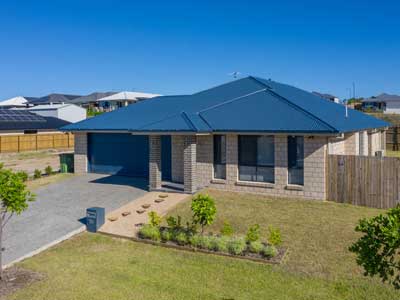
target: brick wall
<point>80,153</point>
<point>204,160</point>
<point>177,158</point>
<point>351,144</point>
<point>154,162</point>
<point>375,142</point>
<point>314,169</point>
<point>189,163</point>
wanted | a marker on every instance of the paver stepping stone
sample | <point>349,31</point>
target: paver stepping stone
<point>163,195</point>
<point>146,205</point>
<point>112,219</point>
<point>158,200</point>
<point>126,213</point>
<point>140,211</point>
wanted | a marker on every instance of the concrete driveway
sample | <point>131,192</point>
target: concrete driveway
<point>60,208</point>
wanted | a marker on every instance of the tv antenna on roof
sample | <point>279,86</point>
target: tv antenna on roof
<point>234,74</point>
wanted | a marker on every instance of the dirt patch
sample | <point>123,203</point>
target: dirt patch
<point>15,279</point>
<point>29,161</point>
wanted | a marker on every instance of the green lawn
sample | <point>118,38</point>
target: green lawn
<point>318,265</point>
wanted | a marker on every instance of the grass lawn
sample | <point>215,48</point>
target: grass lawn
<point>391,153</point>
<point>318,265</point>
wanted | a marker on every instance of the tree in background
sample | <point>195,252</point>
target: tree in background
<point>14,199</point>
<point>378,250</point>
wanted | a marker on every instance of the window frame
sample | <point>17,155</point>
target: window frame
<point>256,164</point>
<point>296,165</point>
<point>219,162</point>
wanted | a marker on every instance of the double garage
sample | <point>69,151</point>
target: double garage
<point>125,154</point>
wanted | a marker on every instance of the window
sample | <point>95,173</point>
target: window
<point>296,160</point>
<point>220,156</point>
<point>257,158</point>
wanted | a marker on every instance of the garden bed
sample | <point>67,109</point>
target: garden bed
<point>15,279</point>
<point>246,255</point>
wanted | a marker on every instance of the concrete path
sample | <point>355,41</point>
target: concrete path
<point>60,209</point>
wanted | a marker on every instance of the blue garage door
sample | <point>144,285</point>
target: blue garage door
<point>118,154</point>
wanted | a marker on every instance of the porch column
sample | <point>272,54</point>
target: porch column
<point>80,153</point>
<point>189,163</point>
<point>154,162</point>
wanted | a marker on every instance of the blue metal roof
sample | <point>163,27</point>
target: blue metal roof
<point>249,104</point>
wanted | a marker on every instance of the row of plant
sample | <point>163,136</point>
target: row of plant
<point>36,174</point>
<point>204,213</point>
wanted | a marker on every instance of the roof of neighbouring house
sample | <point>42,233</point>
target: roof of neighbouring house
<point>93,97</point>
<point>132,96</point>
<point>51,106</point>
<point>383,98</point>
<point>249,104</point>
<point>24,120</point>
<point>54,98</point>
<point>15,101</point>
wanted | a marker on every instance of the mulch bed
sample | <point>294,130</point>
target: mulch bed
<point>247,255</point>
<point>15,279</point>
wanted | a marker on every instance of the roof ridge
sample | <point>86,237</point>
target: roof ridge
<point>229,101</point>
<point>188,121</point>
<point>299,108</point>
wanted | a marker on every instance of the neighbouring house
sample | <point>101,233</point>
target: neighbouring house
<point>53,99</point>
<point>251,135</point>
<point>64,111</point>
<point>18,101</point>
<point>327,97</point>
<point>91,100</point>
<point>122,99</point>
<point>389,104</point>
<point>25,122</point>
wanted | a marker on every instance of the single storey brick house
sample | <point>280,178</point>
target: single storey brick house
<point>252,135</point>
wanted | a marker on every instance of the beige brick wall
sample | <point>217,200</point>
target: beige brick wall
<point>348,145</point>
<point>154,162</point>
<point>177,158</point>
<point>314,169</point>
<point>204,160</point>
<point>375,142</point>
<point>80,153</point>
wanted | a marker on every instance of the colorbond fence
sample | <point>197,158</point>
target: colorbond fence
<point>365,181</point>
<point>32,142</point>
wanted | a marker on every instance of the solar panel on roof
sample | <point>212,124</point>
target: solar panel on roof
<point>7,115</point>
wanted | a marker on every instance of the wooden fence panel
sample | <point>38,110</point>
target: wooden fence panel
<point>32,142</point>
<point>393,138</point>
<point>365,181</point>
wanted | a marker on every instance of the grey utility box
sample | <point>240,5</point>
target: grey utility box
<point>94,218</point>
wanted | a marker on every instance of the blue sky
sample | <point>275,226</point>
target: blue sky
<point>176,47</point>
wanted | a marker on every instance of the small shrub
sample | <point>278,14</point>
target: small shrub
<point>166,235</point>
<point>173,222</point>
<point>274,237</point>
<point>154,219</point>
<point>23,175</point>
<point>150,232</point>
<point>205,242</point>
<point>255,247</point>
<point>204,210</point>
<point>195,240</point>
<point>220,244</point>
<point>48,170</point>
<point>253,233</point>
<point>237,246</point>
<point>270,251</point>
<point>227,229</point>
<point>181,238</point>
<point>37,174</point>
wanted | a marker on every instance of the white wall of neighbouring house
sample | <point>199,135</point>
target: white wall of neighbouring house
<point>392,107</point>
<point>72,113</point>
<point>68,112</point>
